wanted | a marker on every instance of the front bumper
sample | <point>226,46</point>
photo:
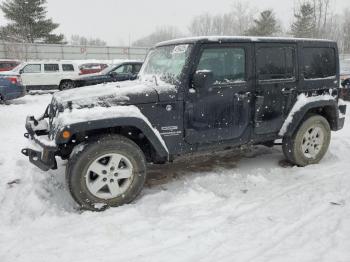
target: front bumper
<point>44,154</point>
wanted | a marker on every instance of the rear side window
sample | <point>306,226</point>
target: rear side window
<point>51,68</point>
<point>319,62</point>
<point>32,68</point>
<point>226,63</point>
<point>276,63</point>
<point>67,67</point>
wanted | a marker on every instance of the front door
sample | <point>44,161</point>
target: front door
<point>220,111</point>
<point>276,84</point>
<point>31,75</point>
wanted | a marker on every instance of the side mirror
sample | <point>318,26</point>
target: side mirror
<point>203,79</point>
<point>21,71</point>
<point>345,82</point>
<point>113,74</point>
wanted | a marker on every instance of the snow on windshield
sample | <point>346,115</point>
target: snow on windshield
<point>166,63</point>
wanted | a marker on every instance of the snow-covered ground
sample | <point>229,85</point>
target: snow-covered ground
<point>228,207</point>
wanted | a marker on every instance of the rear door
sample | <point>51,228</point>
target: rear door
<point>276,67</point>
<point>221,111</point>
<point>52,75</point>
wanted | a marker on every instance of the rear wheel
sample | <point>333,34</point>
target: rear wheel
<point>67,84</point>
<point>109,172</point>
<point>309,143</point>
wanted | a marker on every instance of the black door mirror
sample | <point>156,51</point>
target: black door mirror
<point>203,79</point>
<point>21,71</point>
<point>113,74</point>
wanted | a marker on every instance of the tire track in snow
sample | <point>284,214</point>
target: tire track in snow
<point>148,251</point>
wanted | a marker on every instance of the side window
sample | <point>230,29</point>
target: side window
<point>226,63</point>
<point>275,63</point>
<point>51,68</point>
<point>137,68</point>
<point>124,69</point>
<point>32,68</point>
<point>319,62</point>
<point>67,67</point>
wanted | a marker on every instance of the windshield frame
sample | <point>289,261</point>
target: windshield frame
<point>189,50</point>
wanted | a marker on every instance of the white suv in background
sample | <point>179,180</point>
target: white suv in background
<point>48,74</point>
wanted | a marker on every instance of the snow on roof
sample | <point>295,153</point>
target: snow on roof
<point>237,38</point>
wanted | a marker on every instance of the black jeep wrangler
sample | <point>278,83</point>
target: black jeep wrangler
<point>192,95</point>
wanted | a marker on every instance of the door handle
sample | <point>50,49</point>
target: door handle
<point>288,91</point>
<point>242,96</point>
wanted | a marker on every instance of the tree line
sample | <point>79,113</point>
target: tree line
<point>28,23</point>
<point>312,19</point>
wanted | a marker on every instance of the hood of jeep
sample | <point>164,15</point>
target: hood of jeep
<point>111,94</point>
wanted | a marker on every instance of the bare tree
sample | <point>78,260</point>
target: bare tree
<point>345,32</point>
<point>159,35</point>
<point>82,40</point>
<point>322,15</point>
<point>234,22</point>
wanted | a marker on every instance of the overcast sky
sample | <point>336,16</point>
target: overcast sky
<point>117,21</point>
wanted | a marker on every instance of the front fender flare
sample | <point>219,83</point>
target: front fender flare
<point>150,132</point>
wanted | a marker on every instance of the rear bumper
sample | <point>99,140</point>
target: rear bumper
<point>43,156</point>
<point>341,118</point>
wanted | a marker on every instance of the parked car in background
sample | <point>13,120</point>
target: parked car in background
<point>11,87</point>
<point>47,75</point>
<point>7,65</point>
<point>91,68</point>
<point>345,79</point>
<point>127,70</point>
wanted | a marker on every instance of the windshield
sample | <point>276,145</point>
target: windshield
<point>165,63</point>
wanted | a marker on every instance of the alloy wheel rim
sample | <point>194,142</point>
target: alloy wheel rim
<point>109,176</point>
<point>312,142</point>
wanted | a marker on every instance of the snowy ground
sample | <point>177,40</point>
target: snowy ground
<point>224,208</point>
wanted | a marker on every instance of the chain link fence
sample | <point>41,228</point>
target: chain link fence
<point>24,51</point>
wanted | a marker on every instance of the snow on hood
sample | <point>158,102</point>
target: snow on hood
<point>121,92</point>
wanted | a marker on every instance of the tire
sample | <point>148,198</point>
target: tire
<point>66,84</point>
<point>309,143</point>
<point>107,187</point>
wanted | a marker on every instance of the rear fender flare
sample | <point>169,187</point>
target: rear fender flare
<point>332,111</point>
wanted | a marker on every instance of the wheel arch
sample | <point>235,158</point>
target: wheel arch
<point>132,128</point>
<point>327,108</point>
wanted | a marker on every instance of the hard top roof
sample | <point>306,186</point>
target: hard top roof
<point>227,39</point>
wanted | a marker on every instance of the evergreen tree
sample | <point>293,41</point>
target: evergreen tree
<point>28,22</point>
<point>265,25</point>
<point>304,25</point>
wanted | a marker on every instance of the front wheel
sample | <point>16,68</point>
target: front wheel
<point>309,143</point>
<point>109,172</point>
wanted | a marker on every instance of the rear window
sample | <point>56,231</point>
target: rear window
<point>319,62</point>
<point>276,63</point>
<point>67,67</point>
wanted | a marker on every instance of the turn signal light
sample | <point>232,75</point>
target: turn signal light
<point>66,134</point>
